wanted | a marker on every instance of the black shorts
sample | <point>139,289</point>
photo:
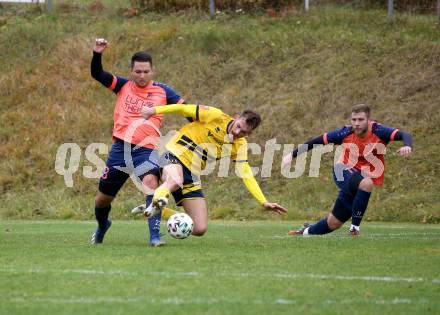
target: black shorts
<point>125,155</point>
<point>191,189</point>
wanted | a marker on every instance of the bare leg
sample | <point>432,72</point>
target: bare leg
<point>197,209</point>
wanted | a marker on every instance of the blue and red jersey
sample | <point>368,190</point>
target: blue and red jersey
<point>366,153</point>
<point>363,153</point>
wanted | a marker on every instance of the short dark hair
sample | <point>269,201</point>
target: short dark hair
<point>252,118</point>
<point>361,108</point>
<point>141,56</point>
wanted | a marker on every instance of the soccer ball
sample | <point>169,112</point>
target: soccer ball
<point>180,225</point>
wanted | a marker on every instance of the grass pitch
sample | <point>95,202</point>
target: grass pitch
<point>48,267</point>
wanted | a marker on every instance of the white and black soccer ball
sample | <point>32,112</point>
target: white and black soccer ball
<point>180,225</point>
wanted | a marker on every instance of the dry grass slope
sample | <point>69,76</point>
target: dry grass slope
<point>302,72</point>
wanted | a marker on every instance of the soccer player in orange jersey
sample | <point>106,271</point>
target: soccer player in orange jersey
<point>360,167</point>
<point>129,133</point>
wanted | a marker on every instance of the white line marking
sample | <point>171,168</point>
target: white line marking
<point>426,235</point>
<point>224,275</point>
<point>186,301</point>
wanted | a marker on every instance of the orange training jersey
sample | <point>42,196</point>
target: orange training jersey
<point>129,125</point>
<point>367,153</point>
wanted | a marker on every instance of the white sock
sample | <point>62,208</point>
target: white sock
<point>356,227</point>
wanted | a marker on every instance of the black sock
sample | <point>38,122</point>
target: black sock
<point>319,228</point>
<point>101,215</point>
<point>360,204</point>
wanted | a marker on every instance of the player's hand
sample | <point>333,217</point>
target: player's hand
<point>147,112</point>
<point>287,160</point>
<point>100,45</point>
<point>404,151</point>
<point>272,206</point>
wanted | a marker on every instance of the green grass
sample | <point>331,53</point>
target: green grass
<point>47,267</point>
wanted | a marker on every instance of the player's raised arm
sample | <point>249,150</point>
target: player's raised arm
<point>200,113</point>
<point>251,184</point>
<point>96,70</point>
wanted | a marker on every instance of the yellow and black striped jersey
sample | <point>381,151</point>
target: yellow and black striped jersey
<point>199,142</point>
<point>206,139</point>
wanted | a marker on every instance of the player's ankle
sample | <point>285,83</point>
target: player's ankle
<point>355,227</point>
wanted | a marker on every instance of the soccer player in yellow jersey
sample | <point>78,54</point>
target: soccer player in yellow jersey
<point>211,136</point>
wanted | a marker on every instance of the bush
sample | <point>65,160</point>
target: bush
<point>174,5</point>
<point>421,6</point>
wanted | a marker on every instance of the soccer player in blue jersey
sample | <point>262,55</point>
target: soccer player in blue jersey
<point>130,131</point>
<point>360,167</point>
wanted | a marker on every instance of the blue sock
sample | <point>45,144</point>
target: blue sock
<point>154,221</point>
<point>320,227</point>
<point>101,215</point>
<point>360,204</point>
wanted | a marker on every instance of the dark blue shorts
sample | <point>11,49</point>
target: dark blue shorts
<point>139,161</point>
<point>192,188</point>
<point>347,179</point>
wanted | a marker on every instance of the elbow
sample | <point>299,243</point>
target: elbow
<point>94,74</point>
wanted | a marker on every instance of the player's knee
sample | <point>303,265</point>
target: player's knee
<point>200,230</point>
<point>102,200</point>
<point>151,181</point>
<point>333,223</point>
<point>366,184</point>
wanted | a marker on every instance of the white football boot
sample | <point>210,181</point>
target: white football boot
<point>154,208</point>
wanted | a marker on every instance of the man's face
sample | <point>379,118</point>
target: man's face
<point>359,122</point>
<point>141,73</point>
<point>239,129</point>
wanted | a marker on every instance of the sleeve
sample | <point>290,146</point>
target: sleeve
<point>190,119</point>
<point>172,96</point>
<point>385,133</point>
<point>337,136</point>
<point>105,78</point>
<point>308,145</point>
<point>403,136</point>
<point>200,113</point>
<point>249,181</point>
<point>239,151</point>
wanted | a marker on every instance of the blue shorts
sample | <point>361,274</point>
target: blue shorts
<point>347,179</point>
<point>191,189</point>
<point>139,161</point>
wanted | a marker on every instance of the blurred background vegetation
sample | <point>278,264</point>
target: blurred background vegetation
<point>301,70</point>
<point>419,6</point>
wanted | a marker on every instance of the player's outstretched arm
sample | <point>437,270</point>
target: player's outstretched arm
<point>287,159</point>
<point>197,112</point>
<point>406,150</point>
<point>251,184</point>
<point>273,206</point>
<point>387,134</point>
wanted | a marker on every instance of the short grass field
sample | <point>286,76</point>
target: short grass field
<point>48,267</point>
